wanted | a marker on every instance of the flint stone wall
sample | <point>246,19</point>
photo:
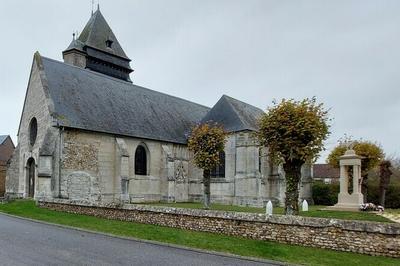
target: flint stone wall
<point>342,235</point>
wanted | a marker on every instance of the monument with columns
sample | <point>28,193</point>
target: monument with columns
<point>350,162</point>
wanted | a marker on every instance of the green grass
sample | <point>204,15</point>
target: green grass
<point>314,211</point>
<point>208,241</point>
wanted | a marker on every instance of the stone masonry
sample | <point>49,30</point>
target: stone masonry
<point>378,239</point>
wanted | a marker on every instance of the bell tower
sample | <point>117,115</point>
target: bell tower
<point>98,49</point>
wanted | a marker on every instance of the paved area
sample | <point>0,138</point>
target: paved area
<point>29,243</point>
<point>395,217</point>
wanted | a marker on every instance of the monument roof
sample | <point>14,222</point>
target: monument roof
<point>89,100</point>
<point>234,115</point>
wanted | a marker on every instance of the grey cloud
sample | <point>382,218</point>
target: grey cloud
<point>344,52</point>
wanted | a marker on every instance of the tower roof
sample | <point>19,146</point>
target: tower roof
<point>96,34</point>
<point>98,49</point>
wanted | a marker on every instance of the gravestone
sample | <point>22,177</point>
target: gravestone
<point>268,208</point>
<point>304,206</point>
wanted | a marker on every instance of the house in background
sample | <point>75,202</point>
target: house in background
<point>325,173</point>
<point>6,150</point>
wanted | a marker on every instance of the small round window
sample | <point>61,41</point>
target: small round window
<point>32,131</point>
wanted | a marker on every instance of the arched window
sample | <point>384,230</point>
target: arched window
<point>32,131</point>
<point>140,161</point>
<point>219,171</point>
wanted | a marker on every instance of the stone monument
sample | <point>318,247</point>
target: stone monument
<point>349,201</point>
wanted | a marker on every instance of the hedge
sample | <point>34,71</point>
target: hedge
<point>327,194</point>
<point>392,199</point>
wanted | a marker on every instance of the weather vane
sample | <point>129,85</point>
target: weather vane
<point>92,6</point>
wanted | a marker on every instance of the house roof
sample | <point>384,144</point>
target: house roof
<point>234,115</point>
<point>95,34</point>
<point>325,171</point>
<point>3,138</point>
<point>88,100</point>
<point>6,149</point>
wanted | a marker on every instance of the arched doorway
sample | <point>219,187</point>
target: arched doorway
<point>30,167</point>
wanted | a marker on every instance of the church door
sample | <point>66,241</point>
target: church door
<point>31,177</point>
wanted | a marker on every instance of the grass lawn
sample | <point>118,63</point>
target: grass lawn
<point>314,211</point>
<point>209,241</point>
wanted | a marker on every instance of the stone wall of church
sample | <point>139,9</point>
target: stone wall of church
<point>75,58</point>
<point>102,165</point>
<point>257,179</point>
<point>223,189</point>
<point>99,168</point>
<point>248,172</point>
<point>36,105</point>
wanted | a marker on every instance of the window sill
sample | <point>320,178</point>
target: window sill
<point>219,180</point>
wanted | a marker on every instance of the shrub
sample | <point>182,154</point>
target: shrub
<point>392,195</point>
<point>325,194</point>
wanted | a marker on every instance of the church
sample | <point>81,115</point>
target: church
<point>89,136</point>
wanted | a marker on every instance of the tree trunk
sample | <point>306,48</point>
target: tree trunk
<point>384,176</point>
<point>364,187</point>
<point>293,176</point>
<point>382,194</point>
<point>206,183</point>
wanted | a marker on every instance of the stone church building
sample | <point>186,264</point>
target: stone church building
<point>88,135</point>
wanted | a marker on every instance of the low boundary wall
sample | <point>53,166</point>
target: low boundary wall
<point>343,235</point>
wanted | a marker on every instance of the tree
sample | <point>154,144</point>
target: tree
<point>294,132</point>
<point>371,152</point>
<point>384,179</point>
<point>206,142</point>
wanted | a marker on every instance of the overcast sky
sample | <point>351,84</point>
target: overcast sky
<point>346,53</point>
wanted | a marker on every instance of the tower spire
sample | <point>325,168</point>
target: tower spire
<point>96,48</point>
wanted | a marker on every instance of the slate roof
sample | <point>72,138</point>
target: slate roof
<point>325,171</point>
<point>3,138</point>
<point>234,115</point>
<point>95,34</point>
<point>92,101</point>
